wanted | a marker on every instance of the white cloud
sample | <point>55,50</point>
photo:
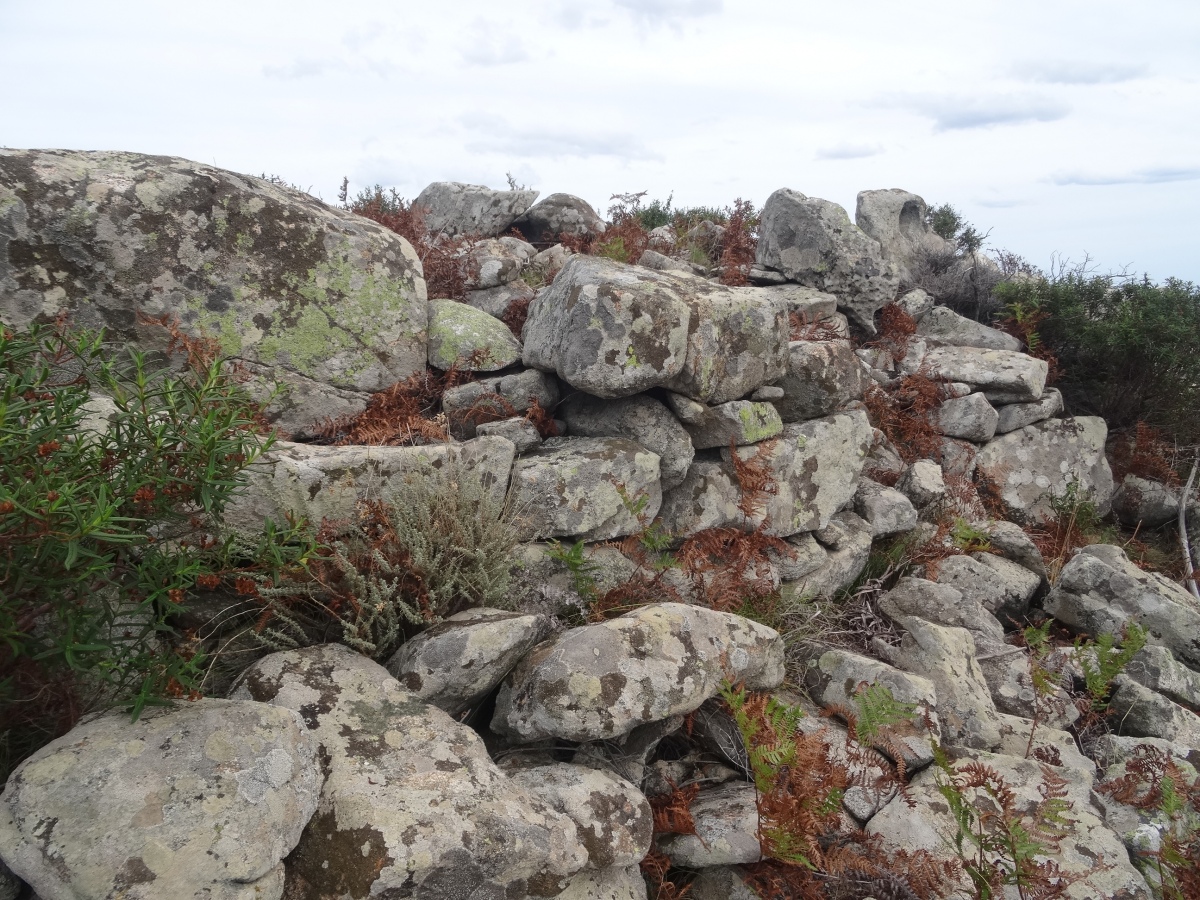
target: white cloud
<point>1155,175</point>
<point>1078,71</point>
<point>849,151</point>
<point>953,112</point>
<point>669,12</point>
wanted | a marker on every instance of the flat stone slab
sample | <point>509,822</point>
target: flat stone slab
<point>1019,375</point>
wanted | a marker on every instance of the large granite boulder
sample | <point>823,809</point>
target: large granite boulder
<point>200,801</point>
<point>813,242</point>
<point>496,262</point>
<point>1039,462</point>
<point>468,339</point>
<point>559,214</point>
<point>944,327</point>
<point>454,209</point>
<point>1019,376</point>
<point>898,220</point>
<point>603,680</point>
<point>328,303</point>
<point>412,805</point>
<point>821,377</point>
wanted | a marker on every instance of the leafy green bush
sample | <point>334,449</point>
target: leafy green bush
<point>1128,350</point>
<point>111,479</point>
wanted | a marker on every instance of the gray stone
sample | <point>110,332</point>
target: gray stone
<point>1014,741</point>
<point>466,338</point>
<point>1090,849</point>
<point>1018,415</point>
<point>412,801</point>
<point>923,483</point>
<point>316,482</point>
<point>842,565</point>
<point>1156,668</point>
<point>812,242</point>
<point>768,393</point>
<point>559,214</point>
<point>739,422</point>
<point>940,602</point>
<point>720,883</point>
<point>587,488</point>
<point>612,817</point>
<point>498,300</point>
<point>687,410</point>
<point>10,885</point>
<point>897,220</point>
<point>1141,712</point>
<point>1100,590</point>
<point>601,681</point>
<point>726,820</point>
<point>455,209</point>
<point>1151,503</point>
<point>496,398</point>
<point>455,664</point>
<point>959,458</point>
<point>1031,465</point>
<point>822,376</point>
<point>1006,669</point>
<point>642,419</point>
<point>1011,542</point>
<point>1000,586</point>
<point>946,656</point>
<point>203,799</point>
<point>917,303</point>
<point>495,262</point>
<point>105,237</point>
<point>886,509</point>
<point>802,557</point>
<point>652,259</point>
<point>970,418</point>
<point>549,262</point>
<point>523,433</point>
<point>944,327</point>
<point>1001,370</point>
<point>606,884</point>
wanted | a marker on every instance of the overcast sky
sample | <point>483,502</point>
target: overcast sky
<point>1064,126</point>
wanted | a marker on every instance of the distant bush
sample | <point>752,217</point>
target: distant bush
<point>1128,350</point>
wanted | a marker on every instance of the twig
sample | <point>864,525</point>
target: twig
<point>1183,535</point>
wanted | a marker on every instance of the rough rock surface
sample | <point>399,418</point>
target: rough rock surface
<point>843,563</point>
<point>1001,587</point>
<point>738,421</point>
<point>1155,667</point>
<point>1030,465</point>
<point>499,397</point>
<point>557,215</point>
<point>822,376</point>
<point>202,800</point>
<point>463,337</point>
<point>412,803</point>
<point>453,665</point>
<point>1100,590</point>
<point>523,433</point>
<point>897,219</point>
<point>1141,712</point>
<point>337,313</point>
<point>970,418</point>
<point>1011,542</point>
<point>587,488</point>
<point>942,603</point>
<point>642,419</point>
<point>600,681</point>
<point>886,509</point>
<point>1018,415</point>
<point>923,483</point>
<point>942,326</point>
<point>726,819</point>
<point>1002,370</point>
<point>1150,502</point>
<point>496,262</point>
<point>454,209</point>
<point>496,301</point>
<point>812,242</point>
<point>606,884</point>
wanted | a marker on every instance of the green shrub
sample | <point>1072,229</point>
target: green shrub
<point>105,522</point>
<point>1128,351</point>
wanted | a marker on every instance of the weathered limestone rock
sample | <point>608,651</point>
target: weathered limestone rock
<point>1006,669</point>
<point>455,209</point>
<point>946,656</point>
<point>931,826</point>
<point>1003,370</point>
<point>1018,415</point>
<point>652,259</point>
<point>104,237</point>
<point>803,556</point>
<point>970,418</point>
<point>1156,668</point>
<point>998,585</point>
<point>812,242</point>
<point>412,803</point>
<point>200,800</point>
<point>822,376</point>
<point>726,820</point>
<point>1141,500</point>
<point>559,214</point>
<point>455,664</point>
<point>642,419</point>
<point>944,327</point>
<point>586,488</point>
<point>1043,459</point>
<point>942,603</point>
<point>738,421</point>
<point>923,483</point>
<point>499,397</point>
<point>1141,712</point>
<point>917,303</point>
<point>523,433</point>
<point>496,301</point>
<point>897,219</point>
<point>886,509</point>
<point>1014,544</point>
<point>612,817</point>
<point>602,680</point>
<point>319,482</point>
<point>844,562</point>
<point>496,262</point>
<point>468,338</point>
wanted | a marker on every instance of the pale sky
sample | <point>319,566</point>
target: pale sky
<point>1065,126</point>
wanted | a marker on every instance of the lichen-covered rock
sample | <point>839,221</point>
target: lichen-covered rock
<point>497,301</point>
<point>612,817</point>
<point>456,663</point>
<point>822,376</point>
<point>812,242</point>
<point>886,509</point>
<point>802,557</point>
<point>898,220</point>
<point>1141,712</point>
<point>1001,587</point>
<point>1006,669</point>
<point>588,488</point>
<point>1011,542</point>
<point>944,327</point>
<point>559,214</point>
<point>466,338</point>
<point>1019,375</point>
<point>606,884</point>
<point>970,418</point>
<point>721,883</point>
<point>1090,848</point>
<point>330,304</point>
<point>523,433</point>
<point>201,801</point>
<point>600,681</point>
<point>453,208</point>
<point>496,262</point>
<point>1151,503</point>
<point>726,820</point>
<point>843,563</point>
<point>318,482</point>
<point>942,603</point>
<point>641,419</point>
<point>1017,415</point>
<point>412,803</point>
<point>1100,590</point>
<point>498,397</point>
<point>738,421</point>
<point>1040,461</point>
<point>922,483</point>
<point>1156,668</point>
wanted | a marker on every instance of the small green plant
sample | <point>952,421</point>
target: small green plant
<point>876,710</point>
<point>581,569</point>
<point>945,221</point>
<point>968,538</point>
<point>1106,658</point>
